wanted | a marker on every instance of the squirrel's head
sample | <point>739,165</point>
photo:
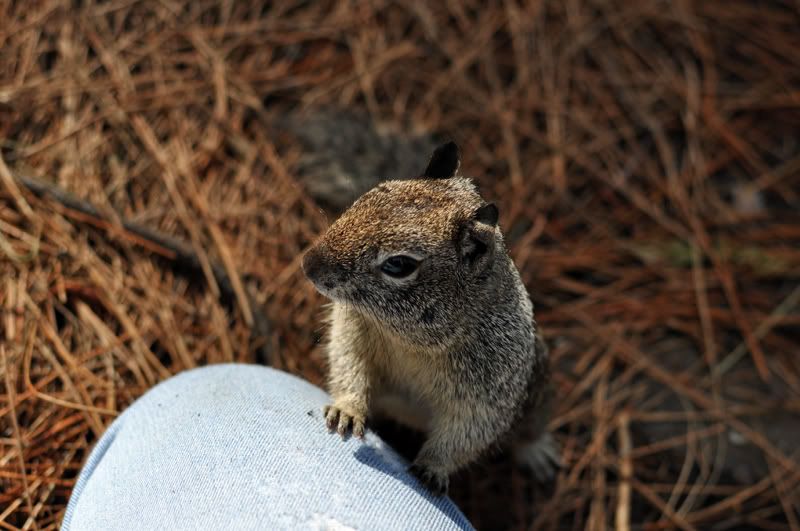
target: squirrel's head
<point>411,253</point>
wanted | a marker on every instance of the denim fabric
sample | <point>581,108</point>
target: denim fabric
<point>245,447</point>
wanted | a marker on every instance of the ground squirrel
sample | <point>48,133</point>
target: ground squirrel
<point>430,323</point>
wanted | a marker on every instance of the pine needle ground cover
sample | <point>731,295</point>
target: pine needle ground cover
<point>645,157</point>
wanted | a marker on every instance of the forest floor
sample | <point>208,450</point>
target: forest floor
<point>645,157</point>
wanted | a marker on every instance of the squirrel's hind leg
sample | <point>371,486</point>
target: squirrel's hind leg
<point>534,446</point>
<point>541,456</point>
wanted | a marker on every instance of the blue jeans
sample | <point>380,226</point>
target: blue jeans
<point>245,447</point>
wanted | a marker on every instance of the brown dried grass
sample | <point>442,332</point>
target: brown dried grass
<point>610,133</point>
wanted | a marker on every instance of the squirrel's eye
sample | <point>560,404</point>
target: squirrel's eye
<point>399,266</point>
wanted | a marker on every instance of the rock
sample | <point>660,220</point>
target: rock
<point>345,153</point>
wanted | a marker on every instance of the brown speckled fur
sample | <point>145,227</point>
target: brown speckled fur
<point>453,349</point>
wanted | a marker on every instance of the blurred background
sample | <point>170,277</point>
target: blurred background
<point>645,157</point>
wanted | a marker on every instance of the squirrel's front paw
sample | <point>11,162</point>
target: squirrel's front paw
<point>436,482</point>
<point>343,418</point>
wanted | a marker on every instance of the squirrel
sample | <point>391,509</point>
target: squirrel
<point>431,324</point>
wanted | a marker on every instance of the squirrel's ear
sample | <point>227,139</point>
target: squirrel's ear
<point>444,162</point>
<point>477,239</point>
<point>488,214</point>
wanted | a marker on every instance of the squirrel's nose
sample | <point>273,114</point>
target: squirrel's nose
<point>317,266</point>
<point>312,264</point>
